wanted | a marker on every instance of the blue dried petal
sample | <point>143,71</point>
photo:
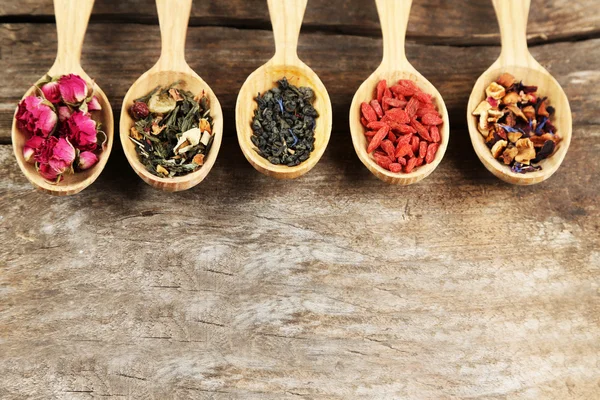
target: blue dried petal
<point>295,138</point>
<point>538,130</point>
<point>511,129</point>
<point>280,101</point>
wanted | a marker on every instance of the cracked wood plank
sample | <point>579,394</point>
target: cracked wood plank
<point>460,22</point>
<point>29,50</point>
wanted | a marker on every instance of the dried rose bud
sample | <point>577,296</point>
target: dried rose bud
<point>94,104</point>
<point>73,89</point>
<point>36,116</point>
<point>64,113</point>
<point>47,172</point>
<point>82,131</point>
<point>51,92</point>
<point>139,110</point>
<point>31,147</point>
<point>87,159</point>
<point>63,156</point>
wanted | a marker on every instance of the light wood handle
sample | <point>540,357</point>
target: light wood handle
<point>512,17</point>
<point>286,18</point>
<point>393,16</point>
<point>173,17</point>
<point>72,17</point>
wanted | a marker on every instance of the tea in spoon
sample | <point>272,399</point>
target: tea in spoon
<point>516,60</point>
<point>72,18</point>
<point>393,15</point>
<point>173,16</point>
<point>286,18</point>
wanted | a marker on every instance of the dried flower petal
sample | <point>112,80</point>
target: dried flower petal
<point>87,159</point>
<point>73,89</point>
<point>36,116</point>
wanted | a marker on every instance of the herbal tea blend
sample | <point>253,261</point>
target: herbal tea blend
<point>516,124</point>
<point>402,126</point>
<point>173,131</point>
<point>284,124</point>
<point>63,136</point>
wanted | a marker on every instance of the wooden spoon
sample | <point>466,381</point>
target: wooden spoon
<point>286,18</point>
<point>72,18</point>
<point>393,15</point>
<point>173,16</point>
<point>516,60</point>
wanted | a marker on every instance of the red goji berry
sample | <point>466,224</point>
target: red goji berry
<point>431,119</point>
<point>386,106</point>
<point>376,125</point>
<point>410,164</point>
<point>394,103</point>
<point>420,162</point>
<point>421,130</point>
<point>382,133</point>
<point>403,129</point>
<point>387,93</point>
<point>435,134</point>
<point>403,151</point>
<point>388,147</point>
<point>377,107</point>
<point>431,151</point>
<point>395,167</point>
<point>368,112</point>
<point>391,136</point>
<point>406,139</point>
<point>364,122</point>
<point>414,143</point>
<point>402,161</point>
<point>382,161</point>
<point>381,86</point>
<point>423,97</point>
<point>398,115</point>
<point>426,109</point>
<point>412,107</point>
<point>422,149</point>
<point>370,133</point>
<point>409,84</point>
<point>401,90</point>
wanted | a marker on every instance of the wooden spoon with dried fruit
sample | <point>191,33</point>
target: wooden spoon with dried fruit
<point>173,16</point>
<point>393,15</point>
<point>72,18</point>
<point>516,60</point>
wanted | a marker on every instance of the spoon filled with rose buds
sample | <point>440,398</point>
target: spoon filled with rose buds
<point>519,117</point>
<point>62,132</point>
<point>171,121</point>
<point>398,120</point>
<point>283,132</point>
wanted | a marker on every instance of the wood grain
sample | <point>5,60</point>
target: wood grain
<point>331,286</point>
<point>434,21</point>
<point>28,49</point>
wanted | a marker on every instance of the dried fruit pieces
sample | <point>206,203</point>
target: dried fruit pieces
<point>402,126</point>
<point>515,123</point>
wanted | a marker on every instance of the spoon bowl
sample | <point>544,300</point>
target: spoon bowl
<point>393,15</point>
<point>286,17</point>
<point>72,17</point>
<point>516,60</point>
<point>171,68</point>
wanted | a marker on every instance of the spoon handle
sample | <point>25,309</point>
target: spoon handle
<point>393,16</point>
<point>512,17</point>
<point>72,18</point>
<point>286,18</point>
<point>173,17</point>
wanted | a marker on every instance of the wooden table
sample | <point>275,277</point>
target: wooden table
<point>333,286</point>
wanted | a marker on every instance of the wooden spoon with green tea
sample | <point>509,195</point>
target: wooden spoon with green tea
<point>286,17</point>
<point>72,18</point>
<point>516,60</point>
<point>173,16</point>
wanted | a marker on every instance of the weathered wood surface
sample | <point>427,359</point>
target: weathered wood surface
<point>334,286</point>
<point>432,21</point>
<point>224,57</point>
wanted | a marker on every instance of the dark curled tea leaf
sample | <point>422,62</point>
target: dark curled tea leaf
<point>284,124</point>
<point>172,130</point>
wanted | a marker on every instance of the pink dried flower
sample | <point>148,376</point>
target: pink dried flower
<point>51,92</point>
<point>63,155</point>
<point>81,130</point>
<point>94,104</point>
<point>48,173</point>
<point>64,113</point>
<point>36,116</point>
<point>73,89</point>
<point>44,151</point>
<point>87,159</point>
<point>31,147</point>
